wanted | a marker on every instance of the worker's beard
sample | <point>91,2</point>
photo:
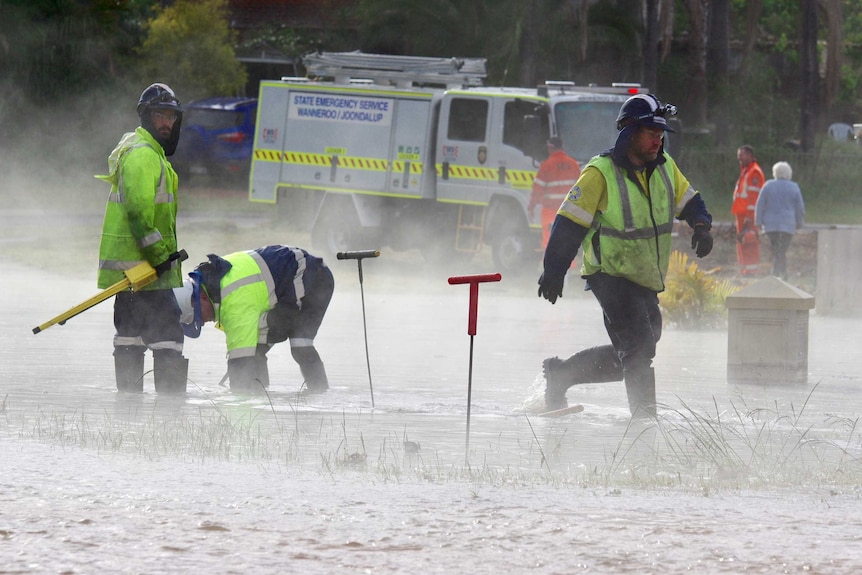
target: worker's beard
<point>169,143</point>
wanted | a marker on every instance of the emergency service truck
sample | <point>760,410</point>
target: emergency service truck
<point>411,152</point>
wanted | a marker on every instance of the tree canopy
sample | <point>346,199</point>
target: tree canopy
<point>53,50</point>
<point>190,46</point>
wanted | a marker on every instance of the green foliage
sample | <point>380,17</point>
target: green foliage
<point>291,42</point>
<point>497,31</point>
<point>54,49</point>
<point>693,298</point>
<point>462,28</point>
<point>189,46</point>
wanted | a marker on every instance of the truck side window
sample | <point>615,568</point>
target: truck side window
<point>524,125</point>
<point>468,119</point>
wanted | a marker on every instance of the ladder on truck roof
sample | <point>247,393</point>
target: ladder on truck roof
<point>401,71</point>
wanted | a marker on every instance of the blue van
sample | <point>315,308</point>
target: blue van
<point>217,137</point>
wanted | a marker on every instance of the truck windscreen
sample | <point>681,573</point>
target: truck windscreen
<point>587,128</point>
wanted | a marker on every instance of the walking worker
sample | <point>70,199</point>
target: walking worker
<point>745,195</point>
<point>556,176</point>
<point>622,212</point>
<point>780,211</point>
<point>140,225</point>
<point>260,298</point>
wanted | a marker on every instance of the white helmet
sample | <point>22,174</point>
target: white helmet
<point>189,301</point>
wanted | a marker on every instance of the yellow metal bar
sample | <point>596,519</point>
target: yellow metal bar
<point>84,306</point>
<point>136,278</point>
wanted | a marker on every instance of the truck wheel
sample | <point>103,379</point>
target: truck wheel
<point>336,230</point>
<point>438,247</point>
<point>513,252</point>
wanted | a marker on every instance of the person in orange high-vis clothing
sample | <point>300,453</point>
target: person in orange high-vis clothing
<point>555,178</point>
<point>744,201</point>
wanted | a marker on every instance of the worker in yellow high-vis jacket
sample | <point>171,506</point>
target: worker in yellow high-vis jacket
<point>622,212</point>
<point>140,226</point>
<point>259,298</point>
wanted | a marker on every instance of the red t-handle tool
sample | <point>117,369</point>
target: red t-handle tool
<point>474,281</point>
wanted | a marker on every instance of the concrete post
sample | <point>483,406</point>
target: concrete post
<point>767,336</point>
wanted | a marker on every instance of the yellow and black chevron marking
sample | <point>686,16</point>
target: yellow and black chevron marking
<point>521,178</point>
<point>373,164</point>
<point>267,155</point>
<point>518,179</point>
<point>468,173</point>
<point>415,167</point>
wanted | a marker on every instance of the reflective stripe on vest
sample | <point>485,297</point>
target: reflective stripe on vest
<point>247,294</point>
<point>119,250</point>
<point>635,230</point>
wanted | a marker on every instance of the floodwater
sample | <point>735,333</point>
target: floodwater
<point>730,479</point>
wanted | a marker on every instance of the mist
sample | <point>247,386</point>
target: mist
<point>729,478</point>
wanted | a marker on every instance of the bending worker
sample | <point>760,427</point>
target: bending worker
<point>622,212</point>
<point>140,225</point>
<point>260,298</point>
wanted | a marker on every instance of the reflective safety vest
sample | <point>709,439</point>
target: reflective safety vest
<point>747,190</point>
<point>634,232</point>
<point>255,283</point>
<point>141,212</point>
<point>554,179</point>
<point>247,294</point>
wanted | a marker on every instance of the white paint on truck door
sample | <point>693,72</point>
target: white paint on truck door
<point>268,141</point>
<point>464,169</point>
<point>337,141</point>
<point>411,170</point>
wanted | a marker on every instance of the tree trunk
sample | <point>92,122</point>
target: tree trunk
<point>528,45</point>
<point>583,28</point>
<point>752,18</point>
<point>696,102</point>
<point>834,49</point>
<point>718,57</point>
<point>651,38</point>
<point>666,18</point>
<point>808,53</point>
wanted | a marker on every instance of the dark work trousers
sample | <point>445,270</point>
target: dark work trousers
<point>148,318</point>
<point>286,321</point>
<point>632,319</point>
<point>778,243</point>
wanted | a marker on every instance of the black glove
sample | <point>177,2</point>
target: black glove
<point>163,267</point>
<point>701,240</point>
<point>551,288</point>
<point>166,265</point>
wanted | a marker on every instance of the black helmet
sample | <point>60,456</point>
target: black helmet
<point>645,110</point>
<point>158,97</point>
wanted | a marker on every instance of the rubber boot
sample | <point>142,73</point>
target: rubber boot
<point>170,371</point>
<point>129,368</point>
<point>315,377</point>
<point>593,365</point>
<point>248,374</point>
<point>312,369</point>
<point>640,388</point>
<point>261,369</point>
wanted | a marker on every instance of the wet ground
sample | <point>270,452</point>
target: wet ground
<point>730,479</point>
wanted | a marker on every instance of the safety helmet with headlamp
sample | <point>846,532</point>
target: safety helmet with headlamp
<point>645,110</point>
